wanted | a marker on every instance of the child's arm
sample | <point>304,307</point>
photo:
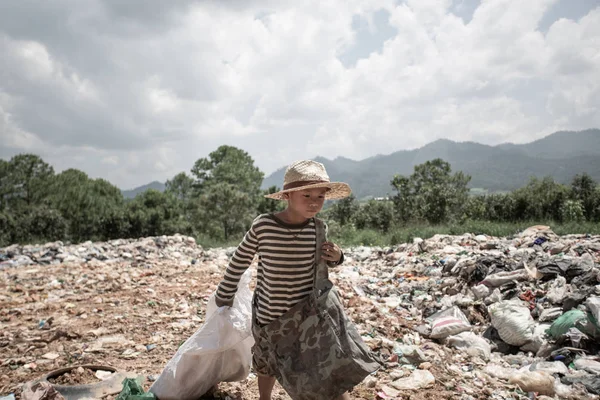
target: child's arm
<point>239,263</point>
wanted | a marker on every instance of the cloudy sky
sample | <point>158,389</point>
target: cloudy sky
<point>138,90</point>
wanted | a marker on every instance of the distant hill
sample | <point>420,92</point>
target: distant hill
<point>130,194</point>
<point>507,166</point>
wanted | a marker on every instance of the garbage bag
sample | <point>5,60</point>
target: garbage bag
<point>472,344</point>
<point>538,338</point>
<point>133,390</point>
<point>448,322</point>
<point>534,381</point>
<point>417,380</point>
<point>513,322</point>
<point>591,382</point>
<point>570,319</point>
<point>219,351</point>
<point>593,306</point>
<point>504,277</point>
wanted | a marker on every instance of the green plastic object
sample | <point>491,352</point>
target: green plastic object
<point>571,319</point>
<point>133,390</point>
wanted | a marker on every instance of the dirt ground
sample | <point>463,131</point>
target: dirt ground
<point>134,318</point>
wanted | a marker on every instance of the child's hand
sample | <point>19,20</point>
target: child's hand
<point>331,252</point>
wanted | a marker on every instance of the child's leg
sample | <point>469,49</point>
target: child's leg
<point>345,396</point>
<point>265,386</point>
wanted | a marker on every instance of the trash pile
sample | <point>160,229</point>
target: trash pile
<point>456,317</point>
<point>483,314</point>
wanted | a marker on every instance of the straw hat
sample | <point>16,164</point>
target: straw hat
<point>308,174</point>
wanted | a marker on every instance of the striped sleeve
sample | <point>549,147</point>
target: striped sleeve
<point>239,263</point>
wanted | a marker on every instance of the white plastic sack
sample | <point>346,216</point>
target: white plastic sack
<point>534,381</point>
<point>593,306</point>
<point>513,322</point>
<point>538,338</point>
<point>451,321</point>
<point>481,291</point>
<point>219,351</point>
<point>472,344</point>
<point>558,290</point>
<point>419,379</point>
<point>504,277</point>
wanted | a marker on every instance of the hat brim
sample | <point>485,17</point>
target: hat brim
<point>337,190</point>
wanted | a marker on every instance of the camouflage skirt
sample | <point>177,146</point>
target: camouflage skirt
<point>313,350</point>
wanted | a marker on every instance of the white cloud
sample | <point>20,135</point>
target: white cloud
<point>135,95</point>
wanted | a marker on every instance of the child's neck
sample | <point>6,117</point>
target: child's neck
<point>291,217</point>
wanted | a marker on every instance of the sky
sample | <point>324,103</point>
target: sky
<point>136,91</point>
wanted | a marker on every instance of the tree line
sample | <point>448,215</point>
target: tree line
<point>221,195</point>
<point>434,195</point>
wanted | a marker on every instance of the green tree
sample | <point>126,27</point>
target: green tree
<point>475,208</point>
<point>154,213</point>
<point>375,214</point>
<point>227,189</point>
<point>572,211</point>
<point>500,207</point>
<point>181,186</point>
<point>8,228</point>
<point>583,188</point>
<point>431,193</point>
<point>28,178</point>
<point>224,210</point>
<point>540,200</point>
<point>344,210</point>
<point>4,184</point>
<point>91,207</point>
<point>266,205</point>
<point>404,199</point>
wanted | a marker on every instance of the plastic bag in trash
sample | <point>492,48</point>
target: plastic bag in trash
<point>538,338</point>
<point>448,322</point>
<point>219,351</point>
<point>133,390</point>
<point>534,381</point>
<point>593,306</point>
<point>513,322</point>
<point>570,319</point>
<point>472,344</point>
<point>418,380</point>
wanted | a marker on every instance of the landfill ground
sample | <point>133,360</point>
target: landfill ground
<point>130,304</point>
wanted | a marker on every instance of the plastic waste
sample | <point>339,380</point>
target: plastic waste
<point>513,322</point>
<point>504,277</point>
<point>480,291</point>
<point>587,364</point>
<point>570,319</point>
<point>220,351</point>
<point>534,381</point>
<point>472,344</point>
<point>538,338</point>
<point>550,314</point>
<point>448,322</point>
<point>133,390</point>
<point>557,291</point>
<point>593,306</point>
<point>550,367</point>
<point>591,382</point>
<point>419,379</point>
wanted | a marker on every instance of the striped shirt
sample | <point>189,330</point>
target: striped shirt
<point>286,260</point>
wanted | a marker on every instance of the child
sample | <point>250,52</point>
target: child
<point>286,245</point>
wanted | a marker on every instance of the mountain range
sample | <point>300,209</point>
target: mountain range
<point>499,168</point>
<point>503,167</point>
<point>156,185</point>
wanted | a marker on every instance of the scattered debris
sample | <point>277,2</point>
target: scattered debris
<point>469,317</point>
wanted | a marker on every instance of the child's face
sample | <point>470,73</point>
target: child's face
<point>307,203</point>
